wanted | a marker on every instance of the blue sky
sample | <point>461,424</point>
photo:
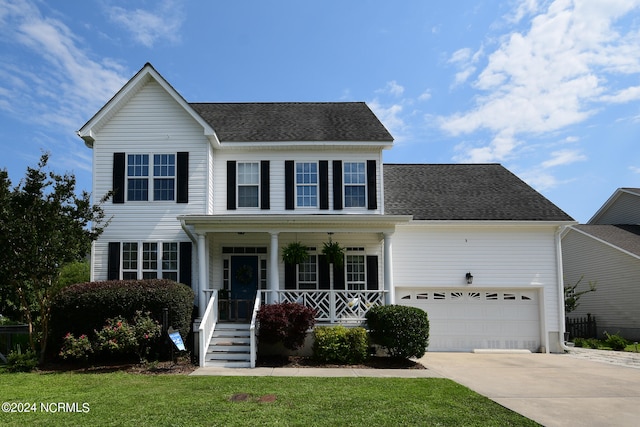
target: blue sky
<point>549,89</point>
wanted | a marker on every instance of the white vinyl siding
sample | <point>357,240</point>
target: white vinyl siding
<point>498,257</point>
<point>277,160</point>
<point>150,123</point>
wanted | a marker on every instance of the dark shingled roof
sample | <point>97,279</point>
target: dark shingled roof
<point>625,237</point>
<point>293,121</point>
<point>464,192</point>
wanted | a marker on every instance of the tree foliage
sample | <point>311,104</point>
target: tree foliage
<point>571,297</point>
<point>43,226</point>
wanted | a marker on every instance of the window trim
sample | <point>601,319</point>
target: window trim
<point>299,185</point>
<point>142,247</point>
<point>363,185</point>
<point>150,178</point>
<point>256,185</point>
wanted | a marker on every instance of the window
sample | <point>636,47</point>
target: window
<point>170,261</point>
<point>150,260</point>
<point>355,270</point>
<point>308,273</point>
<point>164,177</point>
<point>307,184</point>
<point>354,184</point>
<point>164,173</point>
<point>137,177</point>
<point>248,184</point>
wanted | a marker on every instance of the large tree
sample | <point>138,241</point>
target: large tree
<point>44,225</point>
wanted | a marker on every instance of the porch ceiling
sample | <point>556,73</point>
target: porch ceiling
<point>294,223</point>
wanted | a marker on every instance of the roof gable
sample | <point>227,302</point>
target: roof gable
<point>293,122</point>
<point>474,192</point>
<point>623,207</point>
<point>129,90</point>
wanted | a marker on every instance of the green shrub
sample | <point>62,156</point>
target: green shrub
<point>402,331</point>
<point>580,342</point>
<point>592,343</point>
<point>85,307</point>
<point>285,322</point>
<point>338,344</point>
<point>117,337</point>
<point>17,361</point>
<point>615,342</point>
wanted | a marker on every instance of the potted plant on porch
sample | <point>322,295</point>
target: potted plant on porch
<point>334,253</point>
<point>294,253</point>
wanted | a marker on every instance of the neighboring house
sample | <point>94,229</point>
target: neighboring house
<point>606,251</point>
<point>209,193</point>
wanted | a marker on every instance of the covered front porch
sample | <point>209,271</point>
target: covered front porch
<point>240,267</point>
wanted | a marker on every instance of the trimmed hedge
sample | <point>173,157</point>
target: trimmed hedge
<point>403,331</point>
<point>338,344</point>
<point>84,307</point>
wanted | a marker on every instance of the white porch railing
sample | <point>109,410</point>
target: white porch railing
<point>252,329</point>
<point>332,306</point>
<point>208,324</point>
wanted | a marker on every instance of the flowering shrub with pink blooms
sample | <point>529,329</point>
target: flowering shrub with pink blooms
<point>117,337</point>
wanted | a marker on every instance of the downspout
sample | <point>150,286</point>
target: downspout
<point>561,313</point>
<point>189,233</point>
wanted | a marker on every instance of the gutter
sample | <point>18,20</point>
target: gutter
<point>561,313</point>
<point>188,231</point>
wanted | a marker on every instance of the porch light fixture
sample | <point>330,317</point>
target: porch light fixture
<point>469,278</point>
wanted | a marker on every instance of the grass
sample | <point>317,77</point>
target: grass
<point>125,399</point>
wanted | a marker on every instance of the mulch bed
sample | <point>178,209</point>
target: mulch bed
<point>375,362</point>
<point>183,366</point>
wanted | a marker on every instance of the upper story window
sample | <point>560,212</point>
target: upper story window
<point>355,184</point>
<point>248,185</point>
<point>307,184</point>
<point>137,177</point>
<point>164,176</point>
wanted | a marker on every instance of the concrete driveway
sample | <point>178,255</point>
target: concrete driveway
<point>552,389</point>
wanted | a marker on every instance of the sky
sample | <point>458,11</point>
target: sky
<point>548,88</point>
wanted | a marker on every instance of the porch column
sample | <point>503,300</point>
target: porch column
<point>202,274</point>
<point>274,275</point>
<point>390,297</point>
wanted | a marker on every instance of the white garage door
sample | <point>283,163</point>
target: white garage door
<point>464,320</point>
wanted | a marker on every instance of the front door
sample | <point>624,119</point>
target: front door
<point>244,285</point>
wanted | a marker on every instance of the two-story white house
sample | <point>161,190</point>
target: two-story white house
<point>208,194</point>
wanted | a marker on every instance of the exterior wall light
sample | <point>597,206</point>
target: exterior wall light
<point>469,278</point>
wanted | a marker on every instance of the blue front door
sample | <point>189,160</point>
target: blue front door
<point>244,285</point>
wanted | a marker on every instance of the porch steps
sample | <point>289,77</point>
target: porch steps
<point>230,346</point>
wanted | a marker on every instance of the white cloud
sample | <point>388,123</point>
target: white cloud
<point>392,88</point>
<point>390,116</point>
<point>69,85</point>
<point>634,169</point>
<point>563,157</point>
<point>554,74</point>
<point>425,96</point>
<point>149,26</point>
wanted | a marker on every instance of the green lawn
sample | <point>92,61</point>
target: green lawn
<point>122,399</point>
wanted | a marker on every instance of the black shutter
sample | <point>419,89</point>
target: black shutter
<point>372,273</point>
<point>185,263</point>
<point>182,178</point>
<point>231,185</point>
<point>372,200</point>
<point>323,167</point>
<point>338,277</point>
<point>118,177</point>
<point>337,185</point>
<point>289,185</point>
<point>113,261</point>
<point>290,276</point>
<point>324,278</point>
<point>264,184</point>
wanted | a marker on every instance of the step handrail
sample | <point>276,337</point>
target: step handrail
<point>252,329</point>
<point>207,326</point>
